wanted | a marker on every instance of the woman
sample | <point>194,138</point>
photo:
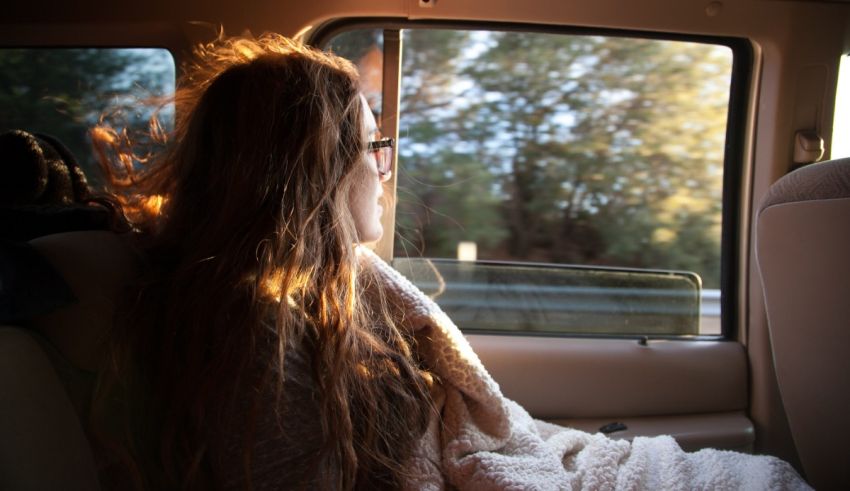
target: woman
<point>247,353</point>
<point>259,349</point>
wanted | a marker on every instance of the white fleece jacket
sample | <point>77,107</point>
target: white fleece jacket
<point>484,441</point>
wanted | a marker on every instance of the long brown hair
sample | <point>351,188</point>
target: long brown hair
<point>245,221</point>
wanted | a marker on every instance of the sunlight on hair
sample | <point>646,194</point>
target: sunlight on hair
<point>363,370</point>
<point>245,50</point>
<point>272,289</point>
<point>153,204</point>
<point>222,53</point>
<point>302,34</point>
<point>104,135</point>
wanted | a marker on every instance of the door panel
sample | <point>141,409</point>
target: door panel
<point>727,431</point>
<point>693,389</point>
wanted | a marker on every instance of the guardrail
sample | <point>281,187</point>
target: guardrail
<point>566,299</point>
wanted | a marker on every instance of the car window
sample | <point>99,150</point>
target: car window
<point>597,161</point>
<point>64,91</point>
<point>841,122</point>
<point>365,47</point>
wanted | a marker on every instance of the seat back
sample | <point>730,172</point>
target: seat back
<point>43,445</point>
<point>47,369</point>
<point>96,265</point>
<point>803,254</point>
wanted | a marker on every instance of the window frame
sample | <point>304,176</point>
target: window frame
<point>735,156</point>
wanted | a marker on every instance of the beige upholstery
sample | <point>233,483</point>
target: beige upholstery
<point>47,372</point>
<point>803,252</point>
<point>96,265</point>
<point>43,443</point>
<point>613,378</point>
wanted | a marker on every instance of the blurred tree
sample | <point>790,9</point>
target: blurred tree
<point>447,192</point>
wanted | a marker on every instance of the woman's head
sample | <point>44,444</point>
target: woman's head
<point>276,142</point>
<point>267,184</point>
<point>270,139</point>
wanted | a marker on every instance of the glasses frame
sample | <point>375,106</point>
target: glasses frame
<point>384,165</point>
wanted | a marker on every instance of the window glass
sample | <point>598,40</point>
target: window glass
<point>366,49</point>
<point>572,155</point>
<point>841,124</point>
<point>63,92</point>
<point>531,297</point>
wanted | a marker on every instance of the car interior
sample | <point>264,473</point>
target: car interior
<point>703,295</point>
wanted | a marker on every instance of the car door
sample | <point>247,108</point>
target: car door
<point>564,195</point>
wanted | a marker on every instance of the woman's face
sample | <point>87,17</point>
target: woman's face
<point>364,199</point>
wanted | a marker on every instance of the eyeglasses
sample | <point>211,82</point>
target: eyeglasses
<point>383,150</point>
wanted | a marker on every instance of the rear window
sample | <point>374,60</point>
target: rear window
<point>63,92</point>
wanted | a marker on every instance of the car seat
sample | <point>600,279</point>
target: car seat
<point>57,298</point>
<point>43,445</point>
<point>48,364</point>
<point>803,254</point>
